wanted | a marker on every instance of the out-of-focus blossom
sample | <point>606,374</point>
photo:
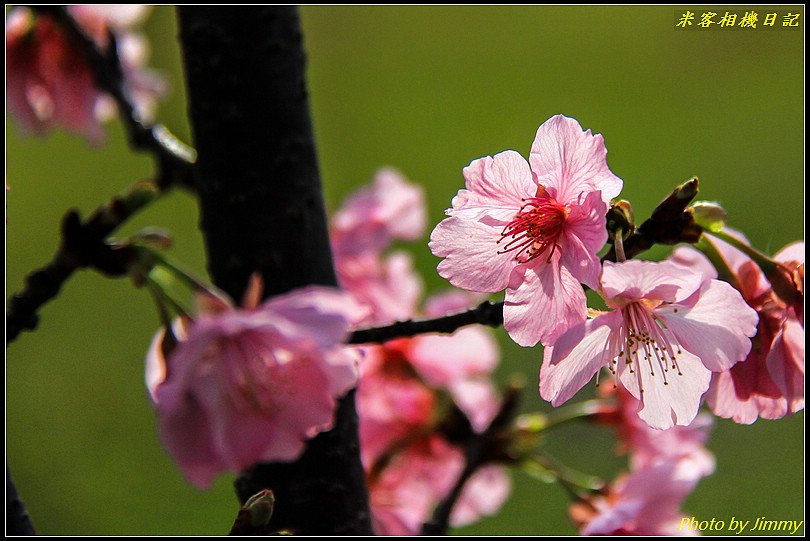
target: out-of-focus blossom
<point>667,332</point>
<point>368,222</point>
<point>644,502</point>
<point>532,230</point>
<point>250,385</point>
<point>483,495</point>
<point>404,494</point>
<point>406,384</point>
<point>390,208</point>
<point>769,383</point>
<point>49,81</point>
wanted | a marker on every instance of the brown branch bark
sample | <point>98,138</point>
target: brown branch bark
<point>262,209</point>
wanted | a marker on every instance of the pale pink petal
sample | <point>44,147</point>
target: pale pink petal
<point>791,252</point>
<point>569,161</point>
<point>389,288</point>
<point>694,260</point>
<point>668,398</point>
<point>499,181</point>
<point>576,357</point>
<point>546,303</point>
<point>726,402</point>
<point>658,280</point>
<point>185,431</point>
<point>786,363</point>
<point>317,313</point>
<point>118,16</point>
<point>483,495</point>
<point>583,236</point>
<point>441,360</point>
<point>452,301</point>
<point>468,242</point>
<point>716,327</point>
<point>477,399</point>
<point>391,208</point>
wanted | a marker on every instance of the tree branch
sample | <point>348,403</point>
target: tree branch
<point>82,245</point>
<point>17,520</point>
<point>262,209</point>
<point>486,313</point>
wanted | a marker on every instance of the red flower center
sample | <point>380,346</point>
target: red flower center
<point>535,228</point>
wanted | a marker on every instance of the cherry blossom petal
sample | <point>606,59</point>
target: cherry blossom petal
<point>547,302</point>
<point>786,363</point>
<point>572,161</point>
<point>483,495</point>
<point>694,260</point>
<point>725,401</point>
<point>584,235</point>
<point>670,398</point>
<point>716,327</point>
<point>497,182</point>
<point>442,359</point>
<point>576,357</point>
<point>477,399</point>
<point>656,280</point>
<point>468,243</point>
<point>792,252</point>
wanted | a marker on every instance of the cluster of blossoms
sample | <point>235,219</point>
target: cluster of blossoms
<point>534,229</point>
<point>245,385</point>
<point>50,81</point>
<point>409,386</point>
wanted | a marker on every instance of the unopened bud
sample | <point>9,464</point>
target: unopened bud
<point>687,191</point>
<point>620,218</point>
<point>154,237</point>
<point>708,215</point>
<point>255,515</point>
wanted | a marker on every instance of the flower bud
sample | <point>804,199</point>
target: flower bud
<point>708,215</point>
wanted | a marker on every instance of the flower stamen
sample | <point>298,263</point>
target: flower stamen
<point>535,228</point>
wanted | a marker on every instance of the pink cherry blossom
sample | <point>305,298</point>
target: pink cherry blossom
<point>668,330</point>
<point>769,383</point>
<point>404,494</point>
<point>250,385</point>
<point>364,227</point>
<point>391,208</point>
<point>49,80</point>
<point>532,230</point>
<point>483,495</point>
<point>645,502</point>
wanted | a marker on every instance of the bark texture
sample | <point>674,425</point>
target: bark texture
<point>262,210</point>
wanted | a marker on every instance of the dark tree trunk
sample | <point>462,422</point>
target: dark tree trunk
<point>262,209</point>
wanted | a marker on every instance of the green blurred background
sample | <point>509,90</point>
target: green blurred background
<point>424,89</point>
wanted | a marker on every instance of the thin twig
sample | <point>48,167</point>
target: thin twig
<point>486,313</point>
<point>83,243</point>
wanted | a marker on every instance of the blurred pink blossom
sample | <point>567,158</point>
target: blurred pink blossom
<point>50,82</point>
<point>251,385</point>
<point>362,229</point>
<point>532,230</point>
<point>405,492</point>
<point>644,502</point>
<point>769,383</point>
<point>667,332</point>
